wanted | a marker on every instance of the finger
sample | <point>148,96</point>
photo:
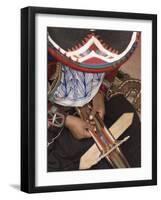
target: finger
<point>92,122</point>
<point>88,110</point>
<point>84,115</point>
<point>93,128</point>
<point>86,125</point>
<point>101,114</point>
<point>87,121</point>
<point>85,112</point>
<point>92,114</point>
<point>87,134</point>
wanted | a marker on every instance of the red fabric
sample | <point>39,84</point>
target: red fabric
<point>94,60</point>
<point>49,105</point>
<point>103,88</point>
<point>73,65</point>
<point>93,47</point>
<point>111,76</point>
<point>51,69</point>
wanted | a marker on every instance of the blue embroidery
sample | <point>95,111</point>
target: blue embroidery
<point>76,85</point>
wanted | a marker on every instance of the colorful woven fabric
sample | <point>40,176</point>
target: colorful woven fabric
<point>93,55</point>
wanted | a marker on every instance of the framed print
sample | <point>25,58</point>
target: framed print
<point>88,99</point>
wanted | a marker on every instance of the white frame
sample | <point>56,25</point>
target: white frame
<point>42,178</point>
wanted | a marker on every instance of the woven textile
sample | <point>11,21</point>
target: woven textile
<point>76,88</point>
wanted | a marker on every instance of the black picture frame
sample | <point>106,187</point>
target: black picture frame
<point>28,98</point>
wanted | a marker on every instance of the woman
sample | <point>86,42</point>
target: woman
<point>79,76</point>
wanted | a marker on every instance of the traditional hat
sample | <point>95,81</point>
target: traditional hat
<point>91,50</point>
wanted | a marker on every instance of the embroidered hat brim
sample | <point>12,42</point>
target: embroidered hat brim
<point>91,50</point>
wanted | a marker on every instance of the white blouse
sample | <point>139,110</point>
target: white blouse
<point>76,88</point>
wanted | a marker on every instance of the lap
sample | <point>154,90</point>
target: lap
<point>65,152</point>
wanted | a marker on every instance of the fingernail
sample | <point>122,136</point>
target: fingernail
<point>90,117</point>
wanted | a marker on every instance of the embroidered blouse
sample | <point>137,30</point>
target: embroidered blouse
<point>76,88</point>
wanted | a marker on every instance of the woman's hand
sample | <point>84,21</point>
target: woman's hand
<point>88,111</point>
<point>98,106</point>
<point>78,127</point>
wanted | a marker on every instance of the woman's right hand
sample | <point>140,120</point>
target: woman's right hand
<point>78,127</point>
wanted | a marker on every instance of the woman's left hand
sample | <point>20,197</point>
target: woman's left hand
<point>98,106</point>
